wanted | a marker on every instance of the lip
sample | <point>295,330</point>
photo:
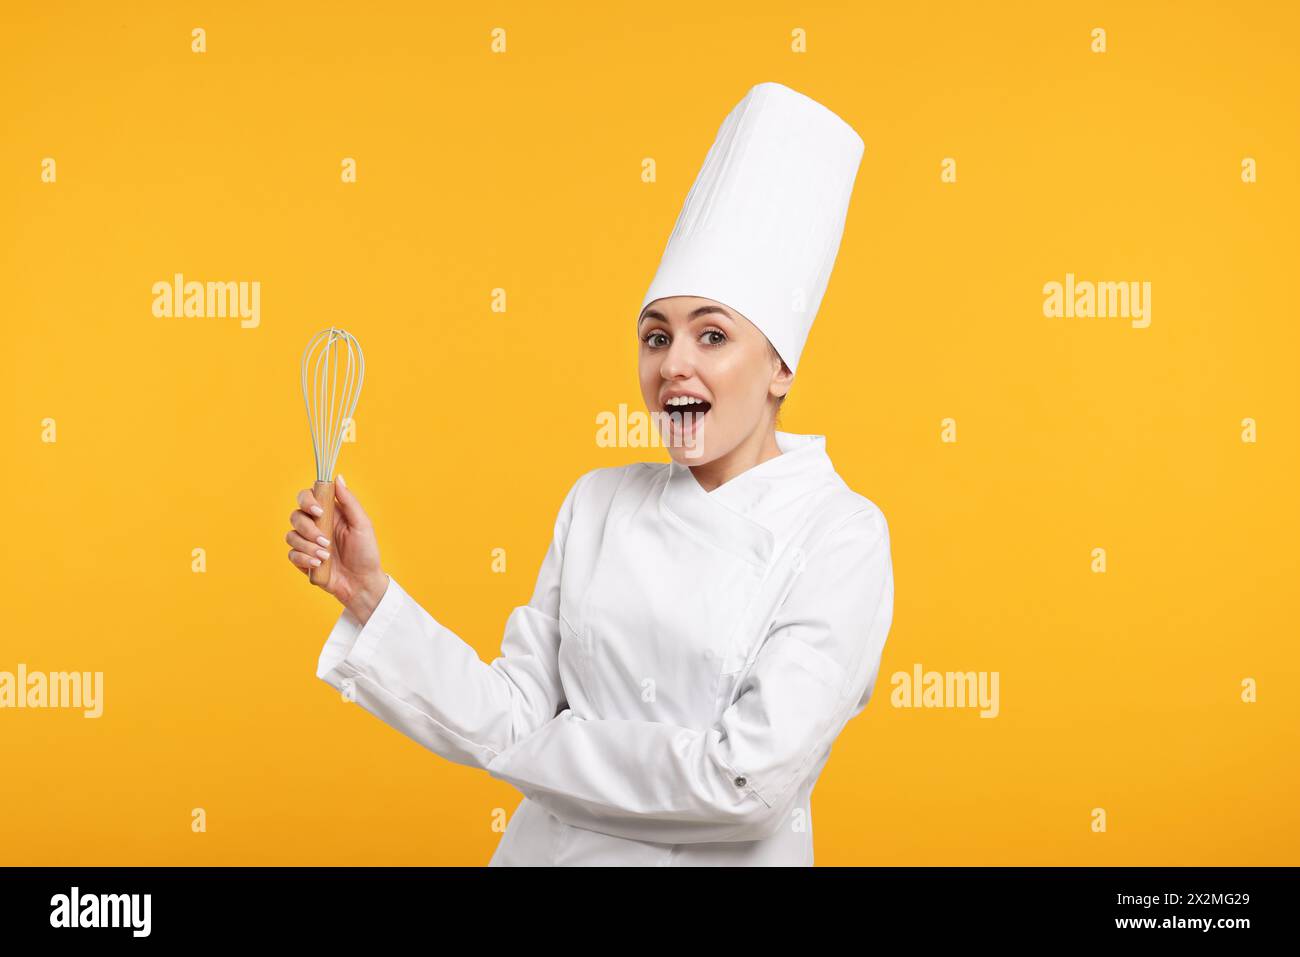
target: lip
<point>681,425</point>
<point>692,426</point>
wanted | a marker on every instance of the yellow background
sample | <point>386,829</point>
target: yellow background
<point>522,171</point>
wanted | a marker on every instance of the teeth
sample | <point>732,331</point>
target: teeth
<point>684,400</point>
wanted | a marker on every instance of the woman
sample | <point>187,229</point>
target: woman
<point>701,629</point>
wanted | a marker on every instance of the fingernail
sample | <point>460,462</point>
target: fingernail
<point>315,561</point>
<point>317,510</point>
<point>322,539</point>
<point>323,554</point>
<point>343,483</point>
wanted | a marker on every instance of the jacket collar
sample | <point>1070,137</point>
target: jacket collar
<point>743,515</point>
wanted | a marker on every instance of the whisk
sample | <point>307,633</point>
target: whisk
<point>329,410</point>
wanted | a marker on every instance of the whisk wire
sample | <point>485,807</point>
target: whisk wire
<point>330,410</point>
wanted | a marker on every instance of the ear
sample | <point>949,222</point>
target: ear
<point>781,381</point>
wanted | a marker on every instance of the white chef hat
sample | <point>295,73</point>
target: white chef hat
<point>760,228</point>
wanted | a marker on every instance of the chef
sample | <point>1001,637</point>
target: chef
<point>701,630</point>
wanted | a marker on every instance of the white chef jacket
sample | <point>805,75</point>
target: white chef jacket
<point>670,693</point>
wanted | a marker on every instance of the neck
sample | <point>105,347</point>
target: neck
<point>759,446</point>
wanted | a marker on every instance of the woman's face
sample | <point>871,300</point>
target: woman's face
<point>692,346</point>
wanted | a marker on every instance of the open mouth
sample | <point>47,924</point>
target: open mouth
<point>686,416</point>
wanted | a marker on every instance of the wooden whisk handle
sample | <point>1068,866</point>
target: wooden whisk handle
<point>324,492</point>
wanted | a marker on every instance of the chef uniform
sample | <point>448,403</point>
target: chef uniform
<point>670,693</point>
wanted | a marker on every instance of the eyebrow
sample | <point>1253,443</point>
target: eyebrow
<point>695,314</point>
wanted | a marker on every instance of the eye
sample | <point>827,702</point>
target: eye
<point>649,338</point>
<point>722,336</point>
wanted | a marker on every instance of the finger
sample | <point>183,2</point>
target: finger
<point>353,513</point>
<point>307,502</point>
<point>302,545</point>
<point>303,560</point>
<point>304,526</point>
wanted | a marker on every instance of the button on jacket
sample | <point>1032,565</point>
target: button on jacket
<point>670,693</point>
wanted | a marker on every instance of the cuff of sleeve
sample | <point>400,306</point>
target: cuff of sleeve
<point>350,641</point>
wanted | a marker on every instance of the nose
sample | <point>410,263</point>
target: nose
<point>678,361</point>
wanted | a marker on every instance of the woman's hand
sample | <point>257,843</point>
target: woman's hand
<point>357,579</point>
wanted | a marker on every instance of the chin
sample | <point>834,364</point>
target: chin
<point>698,449</point>
<point>690,456</point>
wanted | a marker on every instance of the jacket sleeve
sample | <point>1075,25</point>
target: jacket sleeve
<point>418,676</point>
<point>737,780</point>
